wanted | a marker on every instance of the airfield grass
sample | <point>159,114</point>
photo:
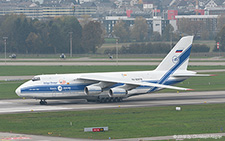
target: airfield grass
<point>8,89</point>
<point>36,70</point>
<point>122,122</point>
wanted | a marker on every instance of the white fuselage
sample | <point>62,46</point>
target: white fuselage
<point>69,86</point>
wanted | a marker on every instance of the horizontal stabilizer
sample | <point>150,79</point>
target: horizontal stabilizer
<point>191,75</point>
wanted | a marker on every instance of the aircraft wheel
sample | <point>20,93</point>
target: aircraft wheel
<point>89,100</point>
<point>43,102</point>
<point>101,100</point>
<point>111,99</point>
<point>107,100</point>
<point>115,99</point>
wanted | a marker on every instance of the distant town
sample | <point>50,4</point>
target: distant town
<point>157,13</point>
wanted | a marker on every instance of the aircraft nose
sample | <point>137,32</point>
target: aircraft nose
<point>18,91</point>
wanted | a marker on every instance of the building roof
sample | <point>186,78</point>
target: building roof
<point>166,3</point>
<point>88,4</point>
<point>196,16</point>
<point>105,5</point>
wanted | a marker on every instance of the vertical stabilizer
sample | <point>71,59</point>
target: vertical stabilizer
<point>178,57</point>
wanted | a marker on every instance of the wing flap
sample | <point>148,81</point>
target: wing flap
<point>128,82</point>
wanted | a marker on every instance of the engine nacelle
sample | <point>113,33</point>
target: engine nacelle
<point>117,92</point>
<point>92,90</point>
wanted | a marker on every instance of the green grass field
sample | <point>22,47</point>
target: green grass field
<point>8,89</point>
<point>36,70</point>
<point>122,123</point>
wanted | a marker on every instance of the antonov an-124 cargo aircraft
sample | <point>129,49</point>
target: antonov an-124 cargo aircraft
<point>113,86</point>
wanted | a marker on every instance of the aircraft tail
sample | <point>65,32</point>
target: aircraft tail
<point>178,57</point>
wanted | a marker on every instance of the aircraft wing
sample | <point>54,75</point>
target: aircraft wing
<point>128,82</point>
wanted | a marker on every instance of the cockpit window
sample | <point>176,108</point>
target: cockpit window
<point>36,79</point>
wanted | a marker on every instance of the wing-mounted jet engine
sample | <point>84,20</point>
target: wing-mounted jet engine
<point>121,91</point>
<point>97,88</point>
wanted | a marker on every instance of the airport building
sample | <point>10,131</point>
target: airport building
<point>49,12</point>
<point>209,20</point>
<point>215,11</point>
<point>156,24</point>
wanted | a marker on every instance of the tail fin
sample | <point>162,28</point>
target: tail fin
<point>178,57</point>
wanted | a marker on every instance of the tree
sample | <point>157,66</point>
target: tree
<point>41,29</point>
<point>156,36</point>
<point>71,24</point>
<point>55,38</point>
<point>16,28</point>
<point>85,20</point>
<point>221,39</point>
<point>121,30</point>
<point>27,35</point>
<point>92,36</point>
<point>205,35</point>
<point>22,30</point>
<point>221,22</point>
<point>168,33</point>
<point>33,41</point>
<point>139,31</point>
<point>6,30</point>
<point>190,27</point>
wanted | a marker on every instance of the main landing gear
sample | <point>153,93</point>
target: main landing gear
<point>111,99</point>
<point>106,99</point>
<point>43,102</point>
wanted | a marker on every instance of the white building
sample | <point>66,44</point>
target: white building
<point>83,1</point>
<point>157,25</point>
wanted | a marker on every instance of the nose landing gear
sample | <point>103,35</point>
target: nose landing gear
<point>43,102</point>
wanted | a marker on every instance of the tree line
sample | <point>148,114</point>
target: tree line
<point>27,35</point>
<point>220,38</point>
<point>153,48</point>
<point>140,32</point>
<point>33,36</point>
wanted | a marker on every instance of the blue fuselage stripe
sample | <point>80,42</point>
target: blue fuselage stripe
<point>182,58</point>
<point>76,87</point>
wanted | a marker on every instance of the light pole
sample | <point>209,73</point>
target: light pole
<point>117,51</point>
<point>71,44</point>
<point>5,40</point>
